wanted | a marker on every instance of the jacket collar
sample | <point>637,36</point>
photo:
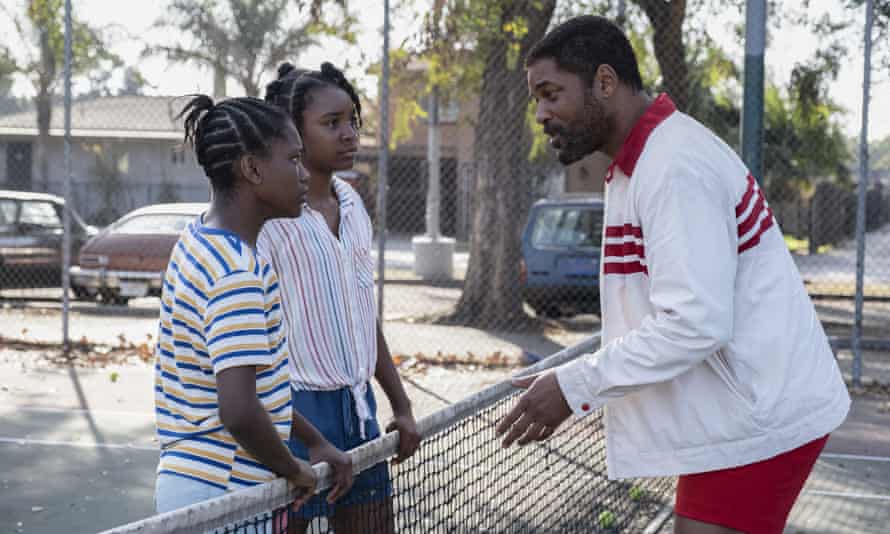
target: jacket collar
<point>626,159</point>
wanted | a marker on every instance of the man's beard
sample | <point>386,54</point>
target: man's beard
<point>582,136</point>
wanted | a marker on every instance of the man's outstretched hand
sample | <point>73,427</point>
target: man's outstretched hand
<point>538,412</point>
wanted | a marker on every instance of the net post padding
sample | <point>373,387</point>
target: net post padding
<point>239,505</point>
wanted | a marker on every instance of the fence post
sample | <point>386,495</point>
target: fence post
<point>383,164</point>
<point>752,113</point>
<point>861,207</point>
<point>66,186</point>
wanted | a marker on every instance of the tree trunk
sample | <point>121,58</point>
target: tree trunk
<point>670,51</point>
<point>219,82</point>
<point>45,81</point>
<point>491,296</point>
<point>44,115</point>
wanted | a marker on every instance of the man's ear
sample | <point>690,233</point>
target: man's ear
<point>247,163</point>
<point>605,81</point>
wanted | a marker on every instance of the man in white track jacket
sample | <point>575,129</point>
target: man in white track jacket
<point>714,365</point>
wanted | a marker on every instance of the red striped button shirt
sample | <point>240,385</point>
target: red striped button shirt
<point>327,295</point>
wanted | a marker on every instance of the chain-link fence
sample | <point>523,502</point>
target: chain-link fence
<point>527,231</point>
<point>492,248</point>
<point>500,239</point>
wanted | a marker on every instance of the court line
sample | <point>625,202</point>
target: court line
<point>840,456</point>
<point>58,443</point>
<point>866,496</point>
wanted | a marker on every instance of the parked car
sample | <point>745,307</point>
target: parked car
<point>31,232</point>
<point>128,259</point>
<point>559,270</point>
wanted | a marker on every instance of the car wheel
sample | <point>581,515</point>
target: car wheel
<point>80,292</point>
<point>113,298</point>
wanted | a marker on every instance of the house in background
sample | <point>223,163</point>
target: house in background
<point>125,152</point>
<point>408,163</point>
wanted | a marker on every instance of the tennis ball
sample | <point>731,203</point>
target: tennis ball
<point>114,376</point>
<point>606,519</point>
<point>636,493</point>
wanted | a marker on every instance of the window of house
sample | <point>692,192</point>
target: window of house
<point>449,109</point>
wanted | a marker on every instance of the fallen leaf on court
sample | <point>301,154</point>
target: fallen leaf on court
<point>145,352</point>
<point>24,331</point>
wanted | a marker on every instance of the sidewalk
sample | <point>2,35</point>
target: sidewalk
<point>90,432</point>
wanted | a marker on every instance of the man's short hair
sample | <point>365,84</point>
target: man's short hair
<point>581,44</point>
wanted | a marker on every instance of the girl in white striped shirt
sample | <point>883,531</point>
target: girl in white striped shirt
<point>323,260</point>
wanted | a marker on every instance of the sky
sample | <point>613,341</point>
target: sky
<point>787,46</point>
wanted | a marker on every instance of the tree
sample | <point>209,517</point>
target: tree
<point>41,30</point>
<point>666,18</point>
<point>801,143</point>
<point>881,31</point>
<point>476,47</point>
<point>8,68</point>
<point>801,139</point>
<point>134,83</point>
<point>243,39</point>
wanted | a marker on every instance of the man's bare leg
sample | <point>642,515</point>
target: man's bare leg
<point>685,525</point>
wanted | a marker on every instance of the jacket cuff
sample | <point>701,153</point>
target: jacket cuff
<point>572,381</point>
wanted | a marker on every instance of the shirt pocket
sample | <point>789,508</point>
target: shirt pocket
<point>364,267</point>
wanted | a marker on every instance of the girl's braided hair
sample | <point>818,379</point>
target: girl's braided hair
<point>291,91</point>
<point>221,133</point>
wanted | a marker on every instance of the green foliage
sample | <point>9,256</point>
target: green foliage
<point>109,165</point>
<point>245,39</point>
<point>879,155</point>
<point>801,141</point>
<point>881,31</point>
<point>8,68</point>
<point>41,32</point>
<point>802,138</point>
<point>450,53</point>
<point>408,111</point>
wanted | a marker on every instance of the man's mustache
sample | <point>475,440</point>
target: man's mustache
<point>553,129</point>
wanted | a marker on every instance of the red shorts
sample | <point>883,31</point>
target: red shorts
<point>754,498</point>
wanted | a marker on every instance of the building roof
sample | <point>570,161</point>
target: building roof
<point>24,195</point>
<point>128,117</point>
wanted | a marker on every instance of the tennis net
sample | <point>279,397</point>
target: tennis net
<point>460,480</point>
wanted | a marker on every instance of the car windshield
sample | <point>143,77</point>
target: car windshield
<point>40,214</point>
<point>568,227</point>
<point>154,223</point>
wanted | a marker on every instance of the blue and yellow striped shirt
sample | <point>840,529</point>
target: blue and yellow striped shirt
<point>220,308</point>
